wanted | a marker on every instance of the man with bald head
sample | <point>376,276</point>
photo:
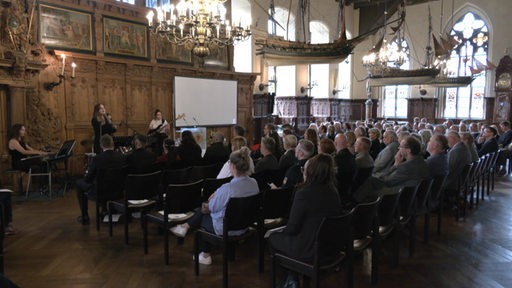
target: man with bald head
<point>346,165</point>
<point>437,161</point>
<point>458,157</point>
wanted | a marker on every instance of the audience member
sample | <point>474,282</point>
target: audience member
<point>490,143</point>
<point>288,159</point>
<point>86,187</point>
<point>216,152</point>
<point>363,158</point>
<point>268,161</point>
<point>303,152</point>
<point>386,158</point>
<point>140,160</point>
<point>210,216</point>
<point>458,157</point>
<point>236,144</point>
<point>375,146</point>
<point>189,151</point>
<point>345,165</point>
<point>326,146</point>
<point>468,139</point>
<point>437,161</point>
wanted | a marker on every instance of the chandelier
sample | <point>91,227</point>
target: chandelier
<point>199,25</point>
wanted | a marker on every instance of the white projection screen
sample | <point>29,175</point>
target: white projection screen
<point>204,102</point>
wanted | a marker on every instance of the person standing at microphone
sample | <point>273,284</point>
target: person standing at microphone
<point>102,124</point>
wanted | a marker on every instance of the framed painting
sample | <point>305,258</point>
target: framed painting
<point>171,52</point>
<point>65,29</point>
<point>218,58</point>
<point>125,38</point>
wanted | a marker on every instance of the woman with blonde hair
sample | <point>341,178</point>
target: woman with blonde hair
<point>237,143</point>
<point>102,124</point>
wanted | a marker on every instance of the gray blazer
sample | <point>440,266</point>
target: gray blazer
<point>386,158</point>
<point>458,157</point>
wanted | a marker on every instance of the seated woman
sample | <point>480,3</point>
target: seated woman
<point>189,151</point>
<point>211,215</point>
<point>314,200</point>
<point>18,149</point>
<point>236,144</point>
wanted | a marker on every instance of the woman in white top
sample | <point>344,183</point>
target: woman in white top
<point>157,132</point>
<point>236,143</point>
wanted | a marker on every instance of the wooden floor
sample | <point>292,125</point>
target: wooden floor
<point>51,250</point>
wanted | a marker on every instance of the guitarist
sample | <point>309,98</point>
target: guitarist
<point>156,132</point>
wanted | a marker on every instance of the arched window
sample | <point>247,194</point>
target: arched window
<point>319,73</point>
<point>394,98</point>
<point>282,76</point>
<point>467,58</point>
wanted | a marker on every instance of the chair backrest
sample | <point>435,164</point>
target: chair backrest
<point>277,203</point>
<point>197,173</point>
<point>436,191</point>
<point>267,176</point>
<point>110,183</point>
<point>364,219</point>
<point>388,208</point>
<point>423,194</point>
<point>175,176</point>
<point>142,186</point>
<point>464,176</point>
<point>495,156</point>
<point>182,198</point>
<point>242,212</point>
<point>407,198</point>
<point>360,176</point>
<point>334,235</point>
<point>210,185</point>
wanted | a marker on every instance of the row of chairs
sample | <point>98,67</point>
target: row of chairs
<point>365,227</point>
<point>476,180</point>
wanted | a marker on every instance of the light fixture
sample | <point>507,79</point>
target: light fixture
<point>50,85</point>
<point>199,25</point>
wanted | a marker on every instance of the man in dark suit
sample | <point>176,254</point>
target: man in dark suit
<point>491,144</point>
<point>140,160</point>
<point>345,164</point>
<point>294,175</point>
<point>288,159</point>
<point>437,161</point>
<point>86,187</point>
<point>217,152</point>
<point>269,161</point>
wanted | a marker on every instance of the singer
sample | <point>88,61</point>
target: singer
<point>102,124</point>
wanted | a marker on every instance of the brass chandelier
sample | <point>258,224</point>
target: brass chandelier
<point>199,25</point>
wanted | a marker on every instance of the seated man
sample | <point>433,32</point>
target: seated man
<point>362,148</point>
<point>409,169</point>
<point>294,175</point>
<point>490,143</point>
<point>86,187</point>
<point>458,157</point>
<point>385,158</point>
<point>140,160</point>
<point>437,161</point>
<point>269,161</point>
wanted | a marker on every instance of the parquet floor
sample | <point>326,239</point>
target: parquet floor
<point>51,250</point>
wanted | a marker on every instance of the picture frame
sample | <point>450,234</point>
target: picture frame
<point>125,38</point>
<point>218,58</point>
<point>65,29</point>
<point>171,52</point>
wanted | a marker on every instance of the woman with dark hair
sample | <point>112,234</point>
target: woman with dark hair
<point>189,151</point>
<point>315,199</point>
<point>18,149</point>
<point>211,215</point>
<point>102,124</point>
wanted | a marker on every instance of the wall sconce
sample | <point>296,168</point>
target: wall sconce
<point>309,87</point>
<point>50,85</point>
<point>262,86</point>
<point>335,91</point>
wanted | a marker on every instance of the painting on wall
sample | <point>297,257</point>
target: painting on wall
<point>66,29</point>
<point>171,52</point>
<point>125,38</point>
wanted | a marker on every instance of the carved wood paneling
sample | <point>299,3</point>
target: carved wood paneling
<point>421,107</point>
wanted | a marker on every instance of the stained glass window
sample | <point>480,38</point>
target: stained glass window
<point>394,98</point>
